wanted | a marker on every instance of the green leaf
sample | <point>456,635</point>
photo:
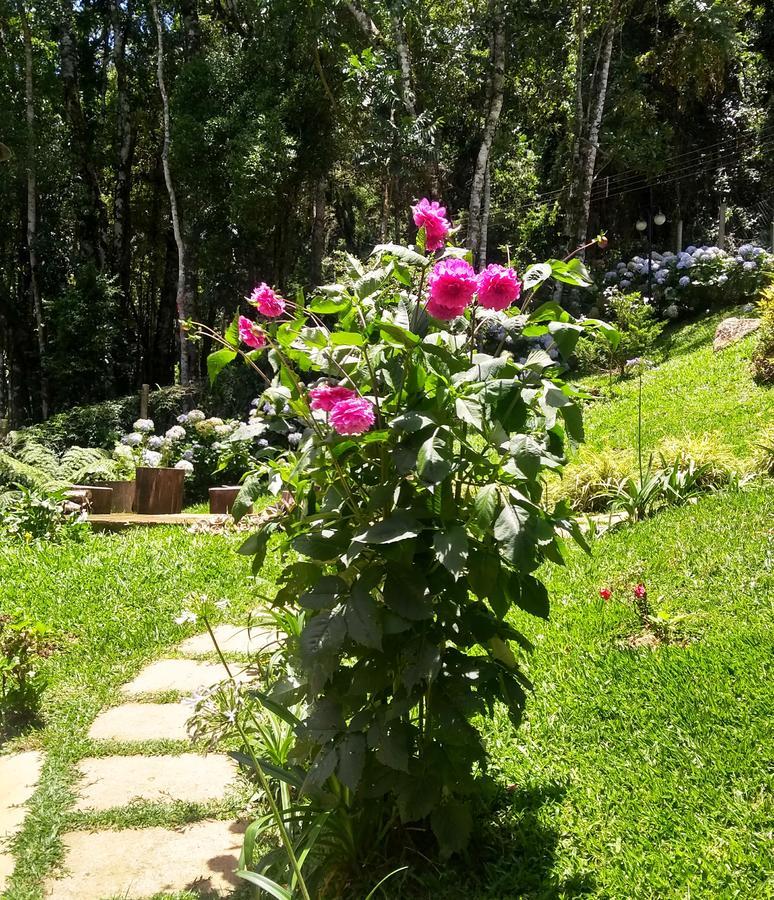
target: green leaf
<point>485,506</point>
<point>422,666</point>
<point>468,409</point>
<point>254,486</point>
<point>352,748</point>
<point>231,337</point>
<point>323,634</point>
<point>391,740</point>
<point>412,421</point>
<point>565,335</point>
<point>323,594</point>
<point>265,884</point>
<point>372,893</point>
<point>510,532</point>
<point>501,651</point>
<point>534,597</point>
<point>404,593</point>
<point>347,339</point>
<point>451,549</point>
<point>535,275</point>
<point>328,305</point>
<point>402,336</point>
<point>398,527</point>
<point>434,460</point>
<point>402,254</point>
<point>362,615</point>
<point>255,546</point>
<point>452,823</point>
<point>571,272</point>
<point>218,361</point>
<point>327,545</point>
<point>418,798</point>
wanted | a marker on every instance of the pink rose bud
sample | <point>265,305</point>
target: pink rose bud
<point>605,594</point>
<point>250,333</point>
<point>639,591</point>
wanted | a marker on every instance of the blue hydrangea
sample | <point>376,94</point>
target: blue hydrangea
<point>684,281</point>
<point>611,276</point>
<point>625,283</point>
<point>750,266</point>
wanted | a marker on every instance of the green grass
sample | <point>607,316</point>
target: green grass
<point>643,773</point>
<point>693,392</point>
<point>114,599</point>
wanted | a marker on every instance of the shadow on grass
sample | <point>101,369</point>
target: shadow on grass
<point>512,856</point>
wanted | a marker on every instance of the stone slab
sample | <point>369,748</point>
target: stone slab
<point>231,639</point>
<point>733,329</point>
<point>19,773</point>
<point>115,781</point>
<point>142,722</point>
<point>184,675</point>
<point>139,862</point>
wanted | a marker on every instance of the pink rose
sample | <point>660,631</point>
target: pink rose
<point>266,301</point>
<point>640,592</point>
<point>498,287</point>
<point>452,284</point>
<point>326,396</point>
<point>431,217</point>
<point>353,416</point>
<point>250,333</point>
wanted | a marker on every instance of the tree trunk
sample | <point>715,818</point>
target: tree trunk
<point>32,212</point>
<point>482,247</point>
<point>590,141</point>
<point>125,142</point>
<point>496,95</point>
<point>92,227</point>
<point>318,230</point>
<point>184,305</point>
<point>404,63</point>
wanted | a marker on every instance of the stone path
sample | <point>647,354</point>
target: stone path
<point>19,773</point>
<point>136,863</point>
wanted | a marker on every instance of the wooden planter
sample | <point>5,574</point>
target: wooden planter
<point>99,497</point>
<point>222,500</point>
<point>123,496</point>
<point>158,492</point>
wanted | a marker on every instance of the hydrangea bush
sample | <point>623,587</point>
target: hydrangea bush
<point>695,276</point>
<point>418,518</point>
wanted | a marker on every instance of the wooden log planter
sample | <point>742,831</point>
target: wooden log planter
<point>123,496</point>
<point>99,497</point>
<point>222,500</point>
<point>158,492</point>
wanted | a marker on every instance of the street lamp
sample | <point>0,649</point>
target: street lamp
<point>641,225</point>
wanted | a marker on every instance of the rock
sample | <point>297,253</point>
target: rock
<point>231,639</point>
<point>142,722</point>
<point>732,330</point>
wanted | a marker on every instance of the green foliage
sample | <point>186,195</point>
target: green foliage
<point>24,644</point>
<point>764,456</point>
<point>32,515</point>
<point>416,537</point>
<point>637,325</point>
<point>763,354</point>
<point>591,474</point>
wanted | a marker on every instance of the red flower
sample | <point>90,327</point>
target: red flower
<point>605,594</point>
<point>640,591</point>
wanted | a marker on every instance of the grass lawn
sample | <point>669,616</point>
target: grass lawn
<point>692,393</point>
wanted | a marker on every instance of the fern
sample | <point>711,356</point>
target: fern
<point>38,457</point>
<point>81,464</point>
<point>16,471</point>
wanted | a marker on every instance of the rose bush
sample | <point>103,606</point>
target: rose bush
<point>418,519</point>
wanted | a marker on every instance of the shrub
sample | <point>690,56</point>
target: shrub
<point>716,461</point>
<point>591,475</point>
<point>763,354</point>
<point>31,514</point>
<point>764,456</point>
<point>696,277</point>
<point>635,321</point>
<point>24,644</point>
<point>418,522</point>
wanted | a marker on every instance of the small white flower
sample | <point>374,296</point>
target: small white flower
<point>222,604</point>
<point>185,617</point>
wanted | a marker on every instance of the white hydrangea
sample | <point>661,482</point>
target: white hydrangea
<point>155,442</point>
<point>132,440</point>
<point>122,451</point>
<point>223,430</point>
<point>176,433</point>
<point>144,426</point>
<point>151,458</point>
<point>196,415</point>
<point>186,466</point>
